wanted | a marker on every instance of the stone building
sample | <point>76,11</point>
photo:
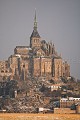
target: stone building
<point>64,111</point>
<point>78,108</point>
<point>42,66</point>
<point>68,102</point>
<point>4,66</point>
<point>57,67</point>
<point>66,69</point>
<point>4,69</point>
<point>38,59</point>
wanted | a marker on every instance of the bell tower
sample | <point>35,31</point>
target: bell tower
<point>35,39</point>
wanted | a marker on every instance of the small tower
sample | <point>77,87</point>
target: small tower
<point>35,40</point>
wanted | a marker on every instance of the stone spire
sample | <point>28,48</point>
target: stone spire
<point>35,22</point>
<point>35,32</point>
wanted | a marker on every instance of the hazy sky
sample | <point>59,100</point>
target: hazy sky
<point>58,21</point>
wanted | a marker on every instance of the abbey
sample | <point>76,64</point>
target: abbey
<point>39,59</point>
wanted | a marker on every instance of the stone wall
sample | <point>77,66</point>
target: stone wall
<point>78,109</point>
<point>63,111</point>
<point>57,67</point>
<point>42,66</point>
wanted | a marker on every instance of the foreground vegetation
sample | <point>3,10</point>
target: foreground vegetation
<point>13,116</point>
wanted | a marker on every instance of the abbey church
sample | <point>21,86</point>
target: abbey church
<point>39,59</point>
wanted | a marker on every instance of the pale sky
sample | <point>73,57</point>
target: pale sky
<point>58,21</point>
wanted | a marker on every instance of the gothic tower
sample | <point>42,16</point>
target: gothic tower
<point>35,40</point>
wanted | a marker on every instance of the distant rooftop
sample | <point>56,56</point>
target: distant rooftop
<point>27,47</point>
<point>22,46</point>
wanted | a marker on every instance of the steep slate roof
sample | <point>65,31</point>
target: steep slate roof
<point>35,34</point>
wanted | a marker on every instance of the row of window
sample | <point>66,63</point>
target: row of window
<point>36,40</point>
